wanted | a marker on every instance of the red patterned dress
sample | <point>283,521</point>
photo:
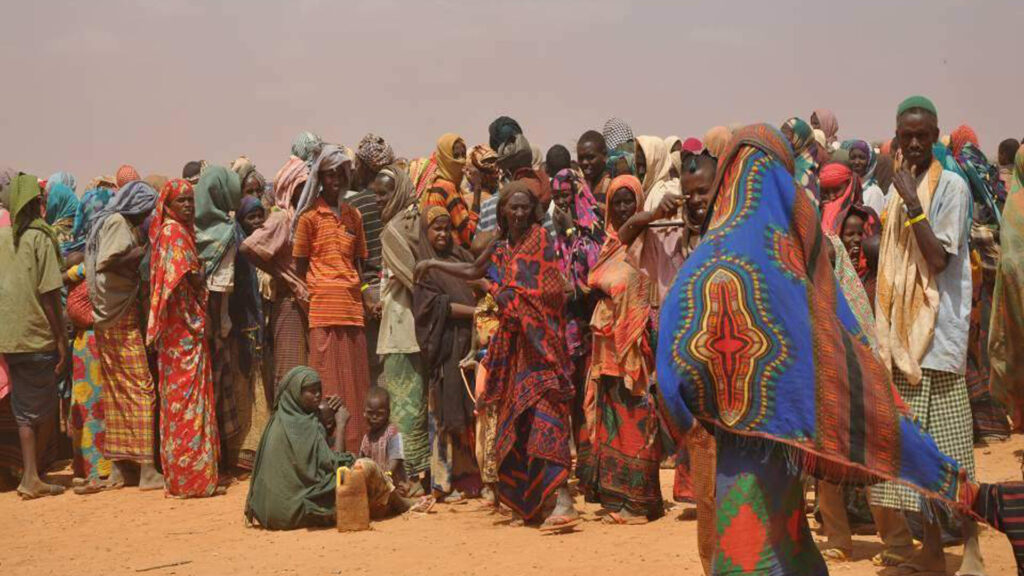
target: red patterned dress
<point>177,325</point>
<point>528,373</point>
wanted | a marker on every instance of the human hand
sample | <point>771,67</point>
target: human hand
<point>561,219</point>
<point>62,356</point>
<point>669,205</point>
<point>906,187</point>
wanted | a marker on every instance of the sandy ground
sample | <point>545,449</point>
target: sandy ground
<point>130,532</point>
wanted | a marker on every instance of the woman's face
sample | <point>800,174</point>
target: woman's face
<point>562,199</point>
<point>439,234</point>
<point>829,193</point>
<point>787,131</point>
<point>623,206</point>
<point>518,212</point>
<point>310,396</point>
<point>253,220</point>
<point>858,161</point>
<point>641,163</point>
<point>184,207</point>
<point>252,186</point>
<point>852,235</point>
<point>459,150</point>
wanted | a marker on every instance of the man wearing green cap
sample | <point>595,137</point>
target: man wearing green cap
<point>922,310</point>
<point>32,337</point>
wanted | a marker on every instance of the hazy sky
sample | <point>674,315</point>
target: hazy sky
<point>155,83</point>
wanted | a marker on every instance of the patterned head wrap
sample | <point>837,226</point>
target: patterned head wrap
<point>136,198</point>
<point>502,131</point>
<point>91,203</point>
<point>618,156</point>
<point>960,137</point>
<point>515,154</point>
<point>716,140</point>
<point>582,198</point>
<point>125,174</point>
<point>617,133</point>
<point>433,213</point>
<point>375,152</point>
<point>306,145</point>
<point>481,161</point>
<point>65,178</point>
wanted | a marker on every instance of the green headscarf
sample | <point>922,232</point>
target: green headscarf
<point>218,193</point>
<point>293,479</point>
<point>23,189</point>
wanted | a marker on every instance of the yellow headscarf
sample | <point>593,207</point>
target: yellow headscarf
<point>449,167</point>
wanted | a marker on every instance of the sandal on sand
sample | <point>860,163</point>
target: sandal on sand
<point>560,523</point>
<point>889,558</point>
<point>51,490</point>
<point>911,569</point>
<point>425,505</point>
<point>617,519</point>
<point>835,555</point>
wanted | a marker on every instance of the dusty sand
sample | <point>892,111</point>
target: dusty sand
<point>128,532</point>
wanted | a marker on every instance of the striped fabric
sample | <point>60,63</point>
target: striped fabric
<point>366,203</point>
<point>464,221</point>
<point>332,245</point>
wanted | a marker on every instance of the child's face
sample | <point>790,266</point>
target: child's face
<point>310,397</point>
<point>326,415</point>
<point>377,413</point>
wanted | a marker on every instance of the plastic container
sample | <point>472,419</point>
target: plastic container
<point>353,507</point>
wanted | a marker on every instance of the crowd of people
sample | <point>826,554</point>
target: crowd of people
<point>757,308</point>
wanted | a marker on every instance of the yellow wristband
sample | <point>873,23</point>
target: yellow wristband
<point>915,219</point>
<point>364,288</point>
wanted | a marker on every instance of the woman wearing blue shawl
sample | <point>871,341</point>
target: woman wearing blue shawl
<point>750,336</point>
<point>61,207</point>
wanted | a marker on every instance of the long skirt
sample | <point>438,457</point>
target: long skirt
<point>939,403</point>
<point>453,462</point>
<point>404,382</point>
<point>538,461</point>
<point>338,353</point>
<point>129,396</point>
<point>291,337</point>
<point>189,445</point>
<point>85,422</point>
<point>252,411</point>
<point>989,417</point>
<point>620,458</point>
<point>761,523</point>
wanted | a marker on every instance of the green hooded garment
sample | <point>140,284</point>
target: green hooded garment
<point>292,483</point>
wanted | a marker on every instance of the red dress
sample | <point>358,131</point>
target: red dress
<point>177,323</point>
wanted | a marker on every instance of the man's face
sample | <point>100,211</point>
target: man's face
<point>696,188</point>
<point>592,159</point>
<point>335,182</point>
<point>917,132</point>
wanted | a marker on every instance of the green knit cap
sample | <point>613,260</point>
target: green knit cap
<point>916,102</point>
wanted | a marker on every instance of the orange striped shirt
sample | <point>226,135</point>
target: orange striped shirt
<point>332,245</point>
<point>464,221</point>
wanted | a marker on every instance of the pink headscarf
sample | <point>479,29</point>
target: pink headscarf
<point>834,175</point>
<point>829,124</point>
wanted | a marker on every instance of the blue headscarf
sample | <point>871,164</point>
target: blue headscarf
<point>61,203</point>
<point>65,178</point>
<point>90,204</point>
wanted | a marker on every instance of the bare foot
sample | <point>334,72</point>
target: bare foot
<point>149,478</point>
<point>36,488</point>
